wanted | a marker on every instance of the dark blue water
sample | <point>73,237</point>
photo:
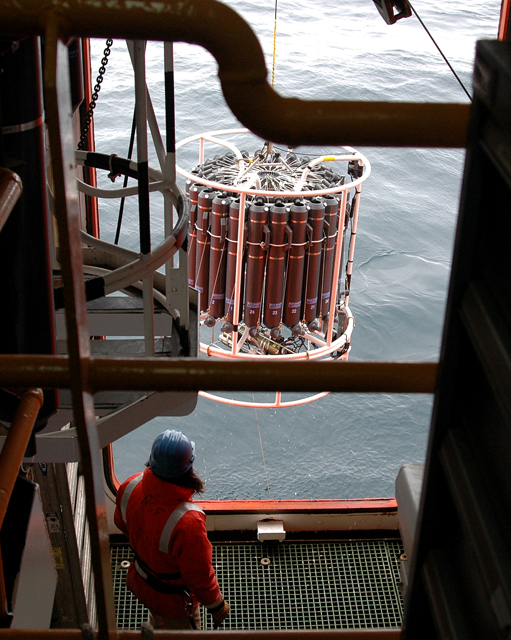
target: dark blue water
<point>344,446</point>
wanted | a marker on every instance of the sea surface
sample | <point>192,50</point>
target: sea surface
<point>345,445</point>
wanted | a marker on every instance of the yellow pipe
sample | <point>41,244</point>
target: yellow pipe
<point>242,72</point>
<point>194,374</point>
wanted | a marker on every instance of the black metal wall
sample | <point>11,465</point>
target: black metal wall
<point>461,582</point>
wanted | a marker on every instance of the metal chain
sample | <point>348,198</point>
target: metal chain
<point>97,88</point>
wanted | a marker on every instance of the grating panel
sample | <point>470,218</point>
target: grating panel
<point>130,612</point>
<point>315,585</point>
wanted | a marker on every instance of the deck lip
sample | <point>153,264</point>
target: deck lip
<point>301,506</point>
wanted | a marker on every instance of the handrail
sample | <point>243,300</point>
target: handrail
<point>194,374</point>
<point>10,191</point>
<point>242,73</point>
<point>147,632</point>
<point>11,457</point>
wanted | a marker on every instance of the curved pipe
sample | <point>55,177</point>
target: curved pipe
<point>143,265</point>
<point>263,405</point>
<point>123,192</point>
<point>242,73</point>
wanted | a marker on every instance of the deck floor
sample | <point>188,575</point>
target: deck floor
<point>293,585</point>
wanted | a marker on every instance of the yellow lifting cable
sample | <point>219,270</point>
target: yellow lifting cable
<point>269,145</point>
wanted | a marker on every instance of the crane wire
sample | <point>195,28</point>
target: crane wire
<point>269,148</point>
<point>261,443</point>
<point>440,51</point>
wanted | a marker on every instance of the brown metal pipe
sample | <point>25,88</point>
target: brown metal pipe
<point>15,444</point>
<point>10,191</point>
<point>242,72</point>
<point>207,375</point>
<point>194,374</point>
<point>11,457</point>
<point>327,634</point>
<point>297,122</point>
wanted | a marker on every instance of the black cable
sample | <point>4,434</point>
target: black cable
<point>125,183</point>
<point>441,52</point>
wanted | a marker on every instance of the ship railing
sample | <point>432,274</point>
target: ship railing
<point>294,122</point>
<point>147,633</point>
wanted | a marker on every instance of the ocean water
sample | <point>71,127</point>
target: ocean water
<point>345,445</point>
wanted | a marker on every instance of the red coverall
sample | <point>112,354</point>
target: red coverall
<point>189,552</point>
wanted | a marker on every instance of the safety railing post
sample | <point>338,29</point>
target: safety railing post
<point>239,268</point>
<point>143,186</point>
<point>176,270</point>
<point>334,287</point>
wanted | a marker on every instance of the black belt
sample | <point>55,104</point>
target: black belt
<point>160,586</point>
<point>160,576</point>
<point>154,581</point>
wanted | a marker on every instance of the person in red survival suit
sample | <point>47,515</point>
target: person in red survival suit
<point>172,569</point>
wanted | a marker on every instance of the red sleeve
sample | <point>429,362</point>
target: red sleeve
<point>193,553</point>
<point>119,522</point>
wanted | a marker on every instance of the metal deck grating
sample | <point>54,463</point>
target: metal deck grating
<point>130,612</point>
<point>312,585</point>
